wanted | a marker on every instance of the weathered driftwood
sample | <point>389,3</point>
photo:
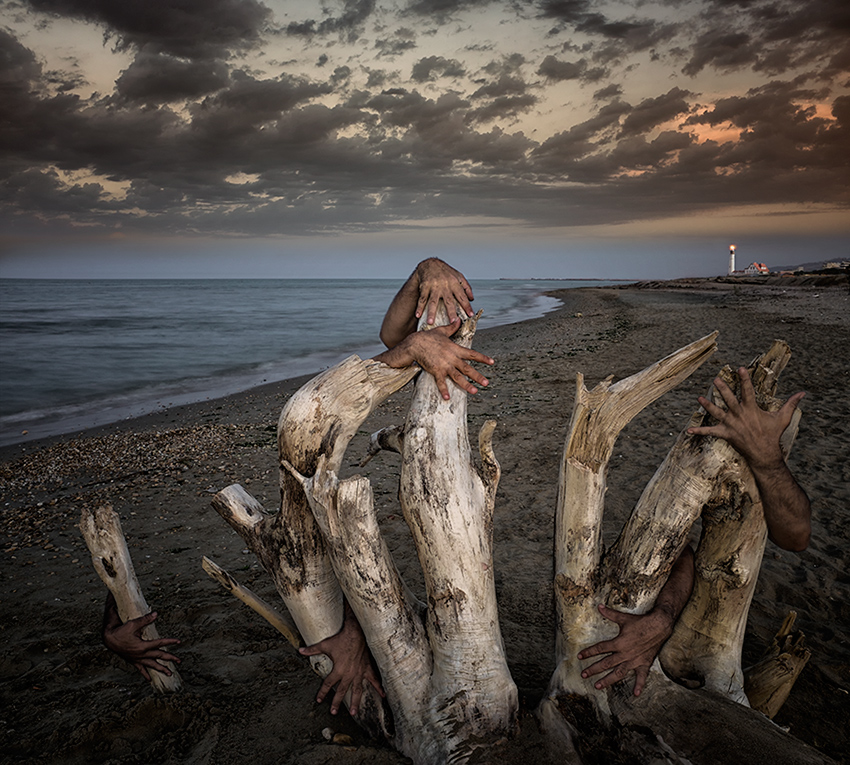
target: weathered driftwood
<point>318,421</point>
<point>668,722</point>
<point>281,622</point>
<point>443,667</point>
<point>768,682</point>
<point>582,578</point>
<point>705,648</point>
<point>111,559</point>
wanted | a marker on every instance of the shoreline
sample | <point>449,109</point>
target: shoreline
<point>69,701</point>
<point>285,386</point>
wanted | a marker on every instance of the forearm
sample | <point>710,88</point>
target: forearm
<point>787,510</point>
<point>676,591</point>
<point>111,620</point>
<point>400,319</point>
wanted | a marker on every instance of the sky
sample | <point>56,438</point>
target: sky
<point>513,138</point>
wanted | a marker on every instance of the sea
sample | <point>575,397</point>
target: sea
<point>76,354</point>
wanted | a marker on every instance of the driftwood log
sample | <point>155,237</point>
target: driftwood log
<point>443,663</point>
<point>443,667</point>
<point>111,559</point>
<point>701,476</point>
<point>768,682</point>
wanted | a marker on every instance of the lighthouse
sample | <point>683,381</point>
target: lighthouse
<point>732,248</point>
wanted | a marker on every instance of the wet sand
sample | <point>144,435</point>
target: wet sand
<point>248,695</point>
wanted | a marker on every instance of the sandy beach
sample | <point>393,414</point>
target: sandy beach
<point>249,696</point>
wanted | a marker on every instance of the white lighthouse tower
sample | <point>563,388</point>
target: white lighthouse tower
<point>732,248</point>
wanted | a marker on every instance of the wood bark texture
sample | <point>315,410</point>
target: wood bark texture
<point>111,559</point>
<point>442,665</point>
<point>319,420</point>
<point>706,645</point>
<point>613,726</point>
<point>281,622</point>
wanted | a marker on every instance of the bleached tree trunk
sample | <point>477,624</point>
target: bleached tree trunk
<point>111,559</point>
<point>659,725</point>
<point>318,421</point>
<point>449,508</point>
<point>281,622</point>
<point>705,649</point>
<point>581,580</point>
<point>443,667</point>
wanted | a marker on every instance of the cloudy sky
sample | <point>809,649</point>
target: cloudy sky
<point>350,137</point>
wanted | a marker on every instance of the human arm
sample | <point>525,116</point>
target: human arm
<point>125,639</point>
<point>352,664</point>
<point>755,433</point>
<point>434,351</point>
<point>642,635</point>
<point>431,281</point>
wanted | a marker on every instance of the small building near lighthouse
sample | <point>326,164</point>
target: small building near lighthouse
<point>755,269</point>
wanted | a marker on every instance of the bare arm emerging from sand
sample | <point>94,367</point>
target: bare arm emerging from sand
<point>755,434</point>
<point>641,636</point>
<point>432,281</point>
<point>126,640</point>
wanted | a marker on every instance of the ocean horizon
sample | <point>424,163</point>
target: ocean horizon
<point>80,353</point>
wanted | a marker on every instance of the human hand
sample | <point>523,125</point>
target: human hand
<point>435,352</point>
<point>126,640</point>
<point>439,281</point>
<point>352,665</point>
<point>751,430</point>
<point>635,648</point>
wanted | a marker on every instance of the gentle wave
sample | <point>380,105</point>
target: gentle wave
<point>82,354</point>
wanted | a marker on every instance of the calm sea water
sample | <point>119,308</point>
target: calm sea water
<point>75,354</point>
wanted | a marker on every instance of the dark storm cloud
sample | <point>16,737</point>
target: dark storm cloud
<point>197,146</point>
<point>771,37</point>
<point>636,153</point>
<point>404,108</point>
<point>570,11</point>
<point>432,67</point>
<point>395,47</point>
<point>558,71</point>
<point>157,78</point>
<point>624,35</point>
<point>442,8</point>
<point>722,50</point>
<point>656,111</point>
<point>507,96</point>
<point>558,153</point>
<point>195,29</point>
<point>18,65</point>
<point>350,20</point>
<point>553,69</point>
<point>30,118</point>
<point>509,64</point>
<point>609,91</point>
<point>502,107</point>
<point>504,86</point>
